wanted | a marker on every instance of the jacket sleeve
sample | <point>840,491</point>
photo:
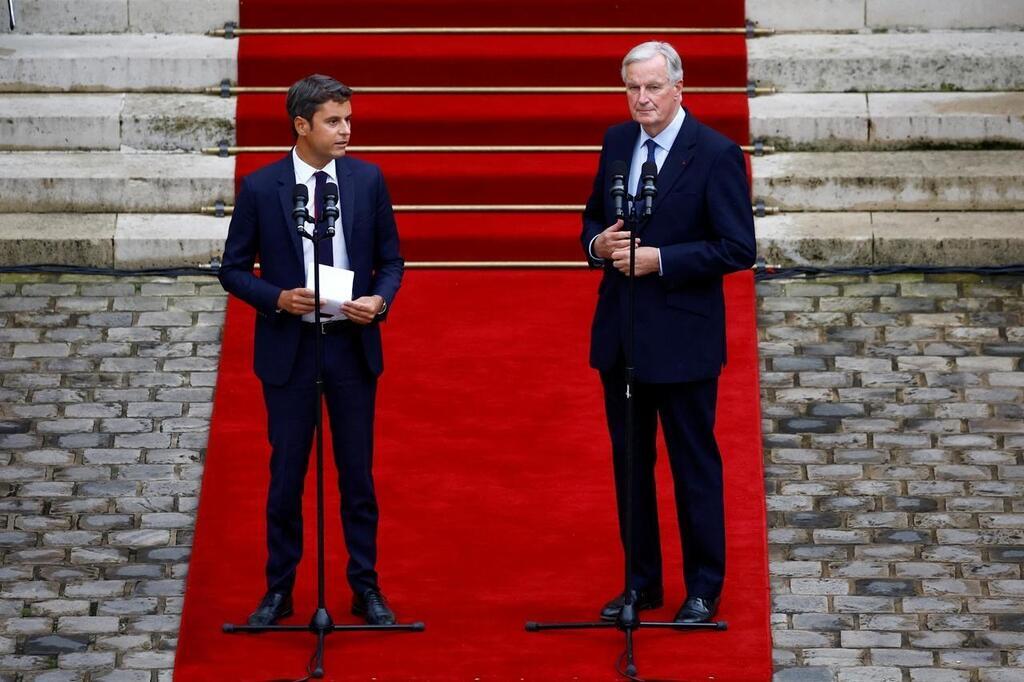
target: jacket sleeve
<point>388,264</point>
<point>240,252</point>
<point>731,245</point>
<point>594,218</point>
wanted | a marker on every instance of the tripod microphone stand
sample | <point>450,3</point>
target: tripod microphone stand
<point>628,620</point>
<point>321,624</point>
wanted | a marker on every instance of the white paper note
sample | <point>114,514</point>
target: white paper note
<point>335,288</point>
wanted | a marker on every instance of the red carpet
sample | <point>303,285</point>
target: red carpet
<point>555,119</point>
<point>478,60</point>
<point>364,13</point>
<point>496,493</point>
<point>493,465</point>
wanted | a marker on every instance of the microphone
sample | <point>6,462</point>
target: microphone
<point>300,197</point>
<point>330,206</point>
<point>618,186</point>
<point>648,172</point>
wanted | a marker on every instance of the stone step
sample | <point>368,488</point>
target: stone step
<point>891,181</point>
<point>121,16</point>
<point>890,120</point>
<point>106,182</point>
<point>124,241</point>
<point>128,241</point>
<point>789,121</point>
<point>115,62</point>
<point>889,62</point>
<point>879,238</point>
<point>938,61</point>
<point>72,121</point>
<point>855,15</point>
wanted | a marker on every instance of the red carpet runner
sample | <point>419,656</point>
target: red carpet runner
<point>496,496</point>
<point>493,467</point>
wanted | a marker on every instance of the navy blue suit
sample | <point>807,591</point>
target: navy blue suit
<point>703,225</point>
<point>262,227</point>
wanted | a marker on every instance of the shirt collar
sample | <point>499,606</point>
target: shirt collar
<point>667,137</point>
<point>304,172</point>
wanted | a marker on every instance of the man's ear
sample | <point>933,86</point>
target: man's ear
<point>302,126</point>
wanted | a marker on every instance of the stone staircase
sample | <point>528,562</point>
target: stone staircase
<point>102,118</point>
<point>898,116</point>
<point>899,127</point>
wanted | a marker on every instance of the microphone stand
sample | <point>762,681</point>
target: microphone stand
<point>628,620</point>
<point>321,624</point>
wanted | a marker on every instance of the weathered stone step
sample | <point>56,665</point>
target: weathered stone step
<point>103,182</point>
<point>176,240</point>
<point>854,15</point>
<point>878,238</point>
<point>789,121</point>
<point>123,240</point>
<point>115,62</point>
<point>74,121</point>
<point>889,62</point>
<point>891,181</point>
<point>889,120</point>
<point>121,16</point>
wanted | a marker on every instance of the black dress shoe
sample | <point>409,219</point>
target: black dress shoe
<point>275,605</point>
<point>372,606</point>
<point>697,610</point>
<point>645,600</point>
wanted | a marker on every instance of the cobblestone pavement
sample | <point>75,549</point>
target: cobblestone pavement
<point>893,427</point>
<point>105,401</point>
<point>893,438</point>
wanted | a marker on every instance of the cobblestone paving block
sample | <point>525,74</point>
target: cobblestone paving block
<point>899,525</point>
<point>101,469</point>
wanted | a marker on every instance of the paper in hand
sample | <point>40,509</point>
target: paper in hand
<point>335,288</point>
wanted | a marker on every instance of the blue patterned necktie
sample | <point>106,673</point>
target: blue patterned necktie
<point>637,202</point>
<point>325,248</point>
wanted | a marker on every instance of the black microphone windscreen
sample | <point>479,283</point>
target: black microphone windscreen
<point>300,192</point>
<point>618,168</point>
<point>331,190</point>
<point>649,168</point>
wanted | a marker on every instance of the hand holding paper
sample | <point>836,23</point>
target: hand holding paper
<point>335,289</point>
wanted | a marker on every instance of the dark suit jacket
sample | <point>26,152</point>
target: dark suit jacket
<point>262,226</point>
<point>703,224</point>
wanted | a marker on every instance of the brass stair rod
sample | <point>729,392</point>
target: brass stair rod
<point>441,149</point>
<point>483,30</point>
<point>228,209</point>
<point>480,90</point>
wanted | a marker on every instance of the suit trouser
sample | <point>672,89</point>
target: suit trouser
<point>350,392</point>
<point>687,412</point>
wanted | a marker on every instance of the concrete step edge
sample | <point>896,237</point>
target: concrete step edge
<point>889,238</point>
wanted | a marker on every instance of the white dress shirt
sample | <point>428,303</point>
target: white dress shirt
<point>663,142</point>
<point>306,175</point>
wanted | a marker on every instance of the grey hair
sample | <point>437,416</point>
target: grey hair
<point>651,49</point>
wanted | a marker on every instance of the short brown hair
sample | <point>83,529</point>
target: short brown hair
<point>307,94</point>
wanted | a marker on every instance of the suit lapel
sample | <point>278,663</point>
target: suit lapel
<point>348,196</point>
<point>286,182</point>
<point>679,158</point>
<point>620,148</point>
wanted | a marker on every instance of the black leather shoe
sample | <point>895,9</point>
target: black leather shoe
<point>275,606</point>
<point>697,610</point>
<point>372,606</point>
<point>645,600</point>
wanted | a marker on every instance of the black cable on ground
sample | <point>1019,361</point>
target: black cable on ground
<point>210,271</point>
<point>763,272</point>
